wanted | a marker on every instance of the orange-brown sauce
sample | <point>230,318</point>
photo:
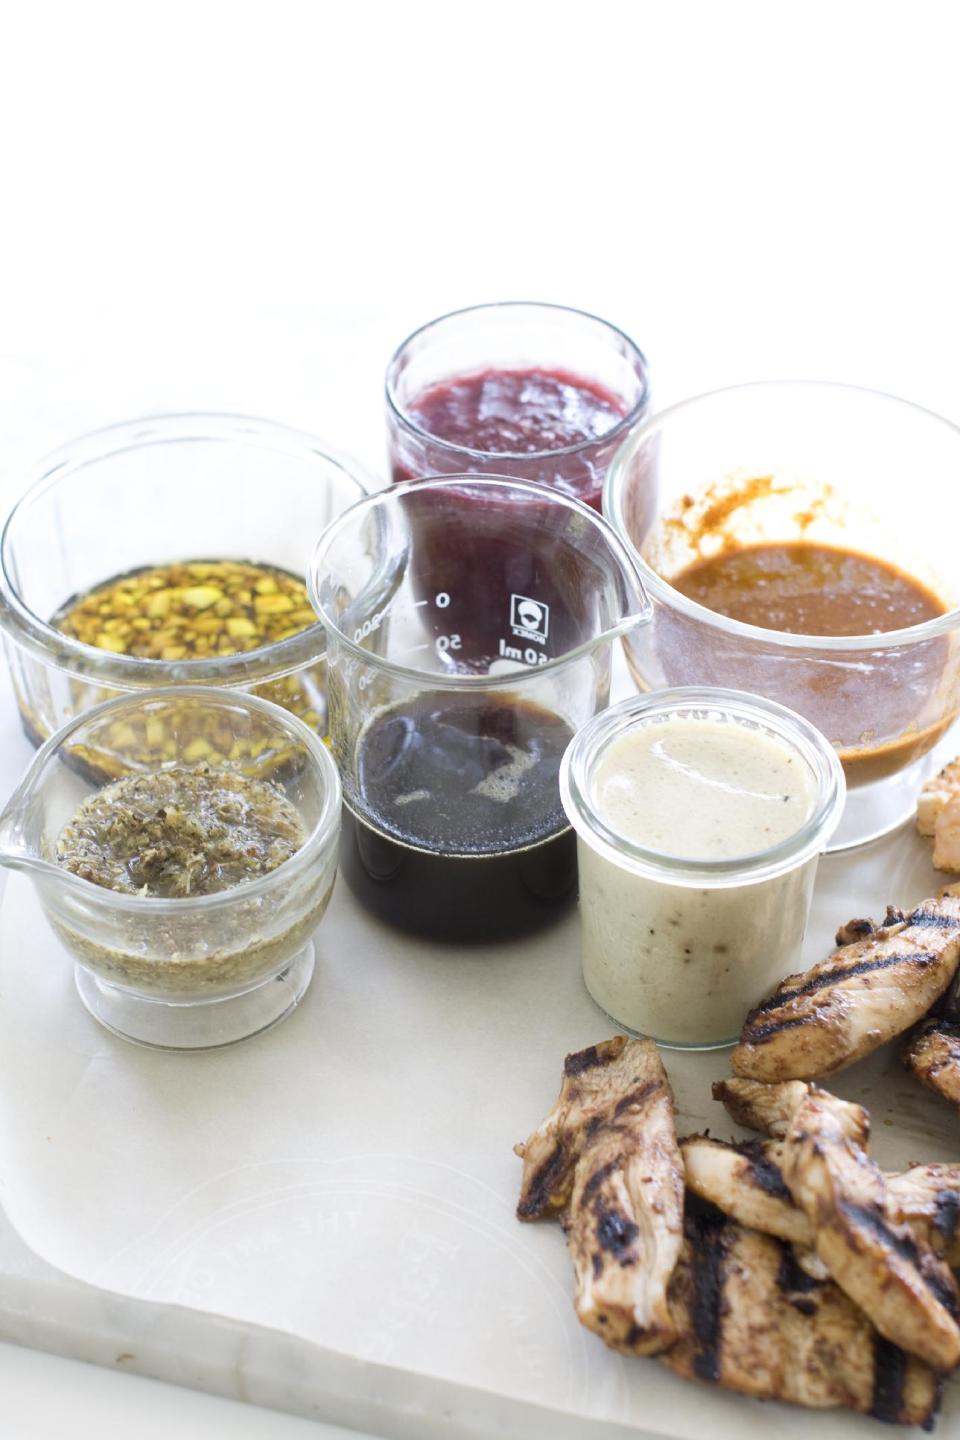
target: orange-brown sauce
<point>809,589</point>
<point>877,707</point>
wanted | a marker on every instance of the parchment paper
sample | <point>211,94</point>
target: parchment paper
<point>348,1177</point>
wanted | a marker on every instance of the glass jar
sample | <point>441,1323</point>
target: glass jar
<point>155,492</point>
<point>680,949</point>
<point>596,392</point>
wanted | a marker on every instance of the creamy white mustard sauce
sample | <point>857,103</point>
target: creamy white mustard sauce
<point>685,963</point>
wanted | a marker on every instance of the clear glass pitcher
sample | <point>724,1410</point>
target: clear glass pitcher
<point>469,623</point>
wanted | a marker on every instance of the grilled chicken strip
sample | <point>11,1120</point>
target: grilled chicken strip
<point>746,1182</point>
<point>771,1108</point>
<point>927,1198</point>
<point>753,1321</point>
<point>862,995</point>
<point>550,1154</point>
<point>938,814</point>
<point>933,1056</point>
<point>905,1289</point>
<point>624,1221</point>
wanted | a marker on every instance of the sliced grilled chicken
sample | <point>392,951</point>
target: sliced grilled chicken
<point>927,1198</point>
<point>746,1182</point>
<point>938,815</point>
<point>905,1289</point>
<point>550,1154</point>
<point>752,1320</point>
<point>624,1220</point>
<point>935,794</point>
<point>865,993</point>
<point>855,930</point>
<point>933,1056</point>
<point>771,1108</point>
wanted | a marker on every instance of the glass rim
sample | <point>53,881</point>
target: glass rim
<point>810,839</point>
<point>323,830</point>
<point>390,497</point>
<point>136,672</point>
<point>625,422</point>
<point>615,483</point>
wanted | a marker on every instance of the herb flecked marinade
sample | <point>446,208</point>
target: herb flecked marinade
<point>186,831</point>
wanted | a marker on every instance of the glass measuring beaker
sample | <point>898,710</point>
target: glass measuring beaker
<point>469,625</point>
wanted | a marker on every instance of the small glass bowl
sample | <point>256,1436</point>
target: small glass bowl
<point>680,949</point>
<point>151,492</point>
<point>514,335</point>
<point>197,972</point>
<point>780,462</point>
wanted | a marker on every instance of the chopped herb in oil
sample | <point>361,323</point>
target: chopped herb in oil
<point>181,832</point>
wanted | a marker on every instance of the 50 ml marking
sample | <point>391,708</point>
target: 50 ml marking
<point>529,656</point>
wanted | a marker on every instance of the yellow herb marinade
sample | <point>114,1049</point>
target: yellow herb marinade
<point>194,610</point>
<point>189,610</point>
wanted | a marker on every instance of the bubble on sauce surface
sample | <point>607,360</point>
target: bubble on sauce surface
<point>462,774</point>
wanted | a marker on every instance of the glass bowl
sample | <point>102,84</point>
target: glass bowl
<point>199,971</point>
<point>514,335</point>
<point>152,492</point>
<point>783,462</point>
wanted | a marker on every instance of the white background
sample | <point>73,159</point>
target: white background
<point>247,205</point>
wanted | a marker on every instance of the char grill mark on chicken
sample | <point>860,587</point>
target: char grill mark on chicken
<point>614,1127</point>
<point>933,1056</point>
<point>752,1320</point>
<point>746,1182</point>
<point>866,992</point>
<point>550,1154</point>
<point>896,1278</point>
<point>927,1198</point>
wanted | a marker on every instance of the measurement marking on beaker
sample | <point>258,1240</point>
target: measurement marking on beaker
<point>529,656</point>
<point>418,603</point>
<point>415,650</point>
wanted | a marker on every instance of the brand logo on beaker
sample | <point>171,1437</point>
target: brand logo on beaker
<point>529,618</point>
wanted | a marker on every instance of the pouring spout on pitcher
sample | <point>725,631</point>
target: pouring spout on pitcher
<point>20,820</point>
